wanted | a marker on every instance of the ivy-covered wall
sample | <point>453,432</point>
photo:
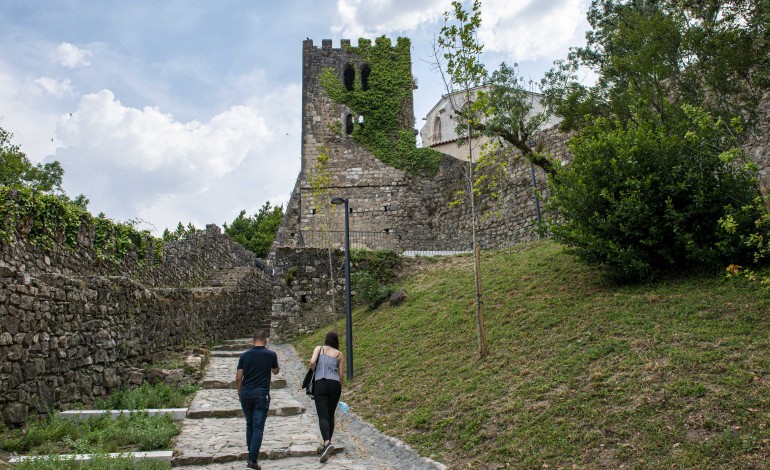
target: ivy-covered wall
<point>84,301</point>
<point>376,86</point>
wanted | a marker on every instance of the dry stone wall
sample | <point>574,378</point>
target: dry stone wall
<point>67,337</point>
<point>307,294</point>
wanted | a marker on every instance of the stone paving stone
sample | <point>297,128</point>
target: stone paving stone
<point>304,463</point>
<point>224,403</point>
<point>219,440</point>
<point>220,373</point>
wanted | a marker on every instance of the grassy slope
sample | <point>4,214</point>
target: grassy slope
<point>580,374</point>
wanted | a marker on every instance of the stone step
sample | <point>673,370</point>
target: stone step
<point>337,461</point>
<point>220,373</point>
<point>157,455</point>
<point>225,353</point>
<point>234,346</point>
<point>220,440</point>
<point>177,414</point>
<point>224,403</point>
<point>238,341</point>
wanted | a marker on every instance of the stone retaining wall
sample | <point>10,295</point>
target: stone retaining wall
<point>302,293</point>
<point>68,336</point>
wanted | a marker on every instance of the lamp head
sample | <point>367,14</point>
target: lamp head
<point>339,200</point>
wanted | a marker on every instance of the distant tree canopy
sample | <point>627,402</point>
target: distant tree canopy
<point>179,233</point>
<point>17,170</point>
<point>257,232</point>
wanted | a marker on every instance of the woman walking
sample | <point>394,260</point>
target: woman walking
<point>327,363</point>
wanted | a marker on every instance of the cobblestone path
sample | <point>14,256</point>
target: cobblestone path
<point>213,434</point>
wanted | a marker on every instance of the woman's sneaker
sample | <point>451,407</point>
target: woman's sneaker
<point>326,453</point>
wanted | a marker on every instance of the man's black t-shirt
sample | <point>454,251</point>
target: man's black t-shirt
<point>256,364</point>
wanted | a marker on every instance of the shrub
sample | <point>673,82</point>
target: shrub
<point>372,273</point>
<point>651,198</point>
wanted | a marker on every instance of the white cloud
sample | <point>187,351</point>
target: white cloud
<point>71,56</point>
<point>522,29</point>
<point>366,18</point>
<point>56,88</point>
<point>532,29</point>
<point>143,163</point>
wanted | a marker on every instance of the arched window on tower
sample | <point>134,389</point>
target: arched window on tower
<point>348,77</point>
<point>349,124</point>
<point>436,130</point>
<point>365,71</point>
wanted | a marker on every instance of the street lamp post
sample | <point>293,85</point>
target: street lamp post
<point>348,316</point>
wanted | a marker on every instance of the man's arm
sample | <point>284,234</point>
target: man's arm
<point>239,380</point>
<point>275,369</point>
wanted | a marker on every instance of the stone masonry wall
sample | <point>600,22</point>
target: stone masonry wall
<point>303,297</point>
<point>188,262</point>
<point>67,337</point>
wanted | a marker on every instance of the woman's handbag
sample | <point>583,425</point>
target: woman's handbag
<point>307,383</point>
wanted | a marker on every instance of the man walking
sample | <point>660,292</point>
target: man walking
<point>253,384</point>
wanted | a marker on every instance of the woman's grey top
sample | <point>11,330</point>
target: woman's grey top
<point>327,367</point>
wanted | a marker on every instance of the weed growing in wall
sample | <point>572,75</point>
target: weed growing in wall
<point>382,105</point>
<point>373,273</point>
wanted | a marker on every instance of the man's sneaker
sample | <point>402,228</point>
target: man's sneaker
<point>253,465</point>
<point>326,453</point>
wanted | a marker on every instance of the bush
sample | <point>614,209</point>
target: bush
<point>372,273</point>
<point>647,199</point>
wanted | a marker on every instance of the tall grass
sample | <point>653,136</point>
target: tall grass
<point>55,435</point>
<point>147,396</point>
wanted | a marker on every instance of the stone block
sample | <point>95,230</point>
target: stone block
<point>15,413</point>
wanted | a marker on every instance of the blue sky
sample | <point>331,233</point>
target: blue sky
<point>190,110</point>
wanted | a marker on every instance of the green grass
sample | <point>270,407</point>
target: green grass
<point>579,373</point>
<point>99,462</point>
<point>148,396</point>
<point>55,435</point>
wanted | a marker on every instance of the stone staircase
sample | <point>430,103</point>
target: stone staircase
<point>213,433</point>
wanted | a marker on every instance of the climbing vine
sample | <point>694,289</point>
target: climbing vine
<point>381,106</point>
<point>48,220</point>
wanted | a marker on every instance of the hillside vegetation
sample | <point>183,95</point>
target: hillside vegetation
<point>580,374</point>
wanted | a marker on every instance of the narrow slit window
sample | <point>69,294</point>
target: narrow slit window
<point>349,124</point>
<point>365,72</point>
<point>348,77</point>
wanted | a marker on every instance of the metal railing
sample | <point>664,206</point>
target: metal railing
<point>358,239</point>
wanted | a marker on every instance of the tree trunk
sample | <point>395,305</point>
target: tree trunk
<point>481,334</point>
<point>480,330</point>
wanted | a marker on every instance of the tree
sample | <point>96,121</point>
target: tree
<point>646,198</point>
<point>180,233</point>
<point>320,180</point>
<point>708,54</point>
<point>464,73</point>
<point>256,233</point>
<point>17,170</point>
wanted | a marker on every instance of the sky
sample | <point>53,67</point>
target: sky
<point>190,111</point>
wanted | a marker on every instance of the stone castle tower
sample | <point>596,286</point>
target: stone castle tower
<point>389,208</point>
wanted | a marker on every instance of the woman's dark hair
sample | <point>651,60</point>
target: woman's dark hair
<point>332,340</point>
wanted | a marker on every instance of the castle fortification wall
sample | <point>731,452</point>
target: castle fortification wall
<point>73,328</point>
